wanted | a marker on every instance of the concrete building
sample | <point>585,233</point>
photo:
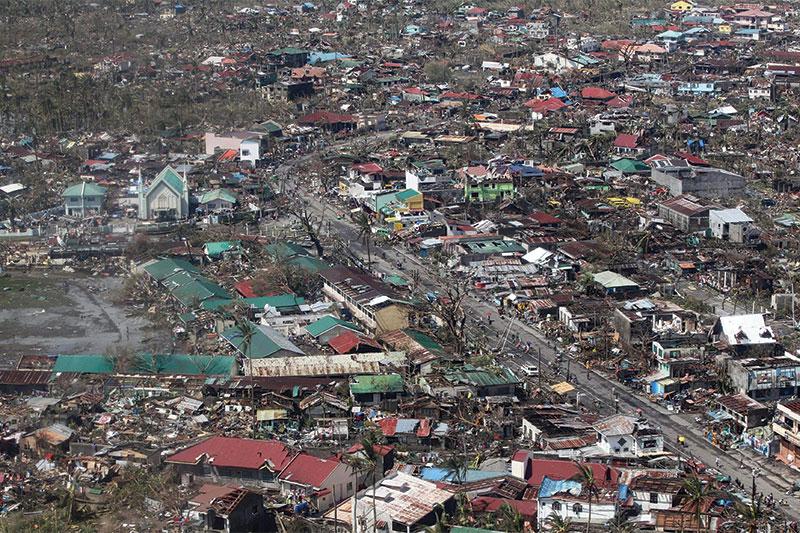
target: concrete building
<point>370,301</point>
<point>732,225</point>
<point>83,199</point>
<point>247,144</point>
<point>621,435</point>
<point>167,197</point>
<point>685,213</point>
<point>787,428</point>
<point>765,378</point>
<point>704,182</point>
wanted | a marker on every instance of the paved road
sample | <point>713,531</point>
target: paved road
<point>606,394</point>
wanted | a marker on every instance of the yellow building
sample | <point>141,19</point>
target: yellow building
<point>681,6</point>
<point>725,28</point>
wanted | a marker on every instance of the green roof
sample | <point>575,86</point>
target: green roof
<point>198,290</point>
<point>311,264</point>
<point>327,323</point>
<point>492,245</point>
<point>279,301</point>
<point>478,377</point>
<point>218,194</point>
<point>407,195</point>
<point>216,249</point>
<point>423,340</point>
<point>215,304</point>
<point>283,250</point>
<point>164,268</point>
<point>373,384</point>
<point>170,176</point>
<point>265,342</point>
<point>629,166</point>
<point>84,364</point>
<point>84,189</point>
<point>396,280</point>
<point>184,364</point>
<point>289,50</point>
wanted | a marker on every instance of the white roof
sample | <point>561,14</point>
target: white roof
<point>538,255</point>
<point>326,365</point>
<point>730,216</point>
<point>746,329</point>
<point>402,498</point>
<point>12,188</point>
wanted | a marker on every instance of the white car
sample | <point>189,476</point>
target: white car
<point>530,370</point>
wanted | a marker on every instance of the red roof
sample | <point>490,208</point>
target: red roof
<point>349,342</point>
<point>620,101</point>
<point>308,470</point>
<point>388,426</point>
<point>544,218</point>
<point>520,455</point>
<point>489,504</point>
<point>424,428</point>
<point>543,106</point>
<point>245,288</point>
<point>626,140</point>
<point>596,93</point>
<point>368,168</point>
<point>452,95</point>
<point>381,449</point>
<point>560,470</point>
<point>325,117</point>
<point>692,159</point>
<point>228,155</point>
<point>236,453</point>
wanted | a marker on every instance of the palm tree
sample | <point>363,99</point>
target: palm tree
<point>620,524</point>
<point>508,519</point>
<point>364,224</point>
<point>458,467</point>
<point>697,493</point>
<point>586,477</point>
<point>558,524</point>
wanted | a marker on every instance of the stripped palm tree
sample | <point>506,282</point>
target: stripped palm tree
<point>364,224</point>
<point>371,465</point>
<point>586,477</point>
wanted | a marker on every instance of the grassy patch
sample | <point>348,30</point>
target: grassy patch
<point>27,292</point>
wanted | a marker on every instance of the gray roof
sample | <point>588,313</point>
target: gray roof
<point>731,216</point>
<point>610,280</point>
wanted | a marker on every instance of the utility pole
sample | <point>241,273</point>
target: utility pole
<point>539,366</point>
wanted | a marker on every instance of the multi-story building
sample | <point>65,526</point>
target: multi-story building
<point>370,301</point>
<point>787,428</point>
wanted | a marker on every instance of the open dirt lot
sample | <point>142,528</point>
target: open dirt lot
<point>58,313</point>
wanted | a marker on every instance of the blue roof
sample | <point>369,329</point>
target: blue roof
<point>558,92</point>
<point>324,57</point>
<point>549,487</point>
<point>669,34</point>
<point>435,473</point>
<point>526,170</point>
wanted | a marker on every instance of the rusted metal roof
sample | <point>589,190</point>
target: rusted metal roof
<point>24,377</point>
